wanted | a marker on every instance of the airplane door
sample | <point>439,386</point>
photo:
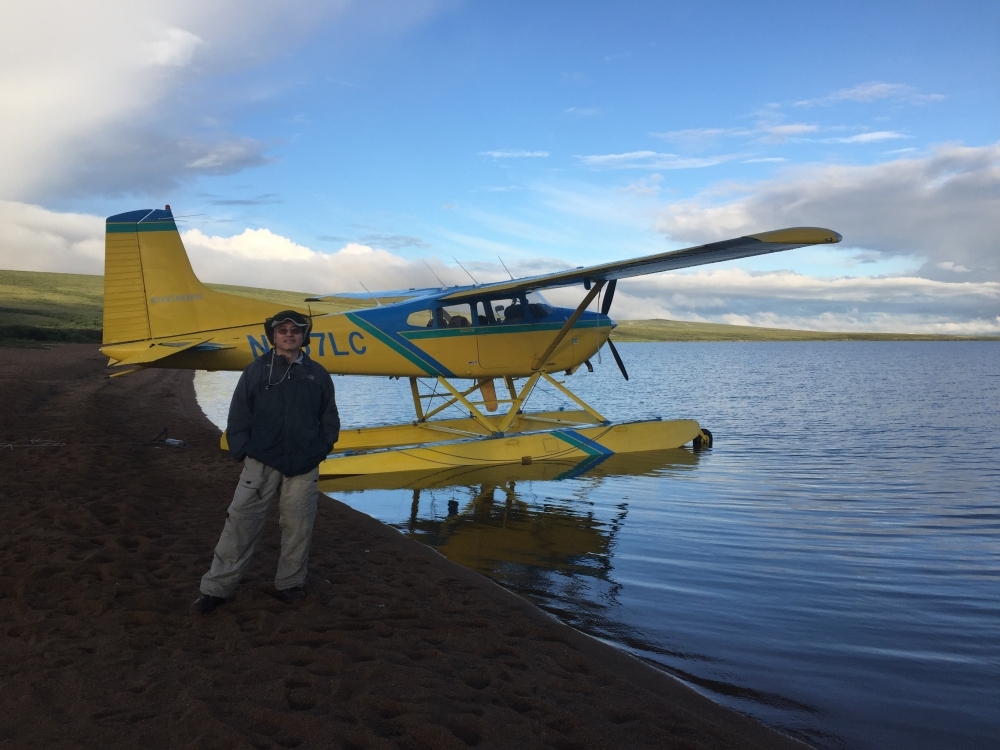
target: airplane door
<point>516,332</point>
<point>501,333</point>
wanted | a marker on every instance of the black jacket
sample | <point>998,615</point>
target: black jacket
<point>285,417</point>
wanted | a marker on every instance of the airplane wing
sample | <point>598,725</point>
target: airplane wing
<point>713,252</point>
<point>396,295</point>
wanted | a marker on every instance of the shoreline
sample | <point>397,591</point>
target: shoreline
<point>105,538</point>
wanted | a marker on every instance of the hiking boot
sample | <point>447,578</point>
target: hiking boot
<point>206,603</point>
<point>295,594</point>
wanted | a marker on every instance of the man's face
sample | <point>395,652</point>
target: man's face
<point>288,336</point>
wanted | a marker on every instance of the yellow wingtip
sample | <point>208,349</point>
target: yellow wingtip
<point>800,236</point>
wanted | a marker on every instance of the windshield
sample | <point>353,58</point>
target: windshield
<point>539,306</point>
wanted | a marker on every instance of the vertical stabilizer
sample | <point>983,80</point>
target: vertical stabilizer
<point>150,290</point>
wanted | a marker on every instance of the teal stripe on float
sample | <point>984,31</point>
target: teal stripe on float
<point>577,440</point>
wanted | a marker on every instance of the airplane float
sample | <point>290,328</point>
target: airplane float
<point>158,314</point>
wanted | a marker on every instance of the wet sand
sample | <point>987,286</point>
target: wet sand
<point>103,540</point>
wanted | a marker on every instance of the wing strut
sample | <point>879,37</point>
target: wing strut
<point>568,325</point>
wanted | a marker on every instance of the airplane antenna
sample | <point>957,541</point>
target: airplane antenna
<point>505,268</point>
<point>474,282</point>
<point>432,271</point>
<point>377,303</point>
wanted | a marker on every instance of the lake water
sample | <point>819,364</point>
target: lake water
<point>831,566</point>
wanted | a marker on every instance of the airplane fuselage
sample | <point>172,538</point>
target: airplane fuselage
<point>381,341</point>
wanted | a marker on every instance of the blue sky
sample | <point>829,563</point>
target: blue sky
<point>318,146</point>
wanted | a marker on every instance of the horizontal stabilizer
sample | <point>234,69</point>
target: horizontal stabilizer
<point>145,352</point>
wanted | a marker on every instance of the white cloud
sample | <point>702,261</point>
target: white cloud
<point>944,206</point>
<point>33,238</point>
<point>949,266</point>
<point>97,98</point>
<point>873,137</point>
<point>764,131</point>
<point>870,92</point>
<point>652,160</point>
<point>175,48</point>
<point>699,135</point>
<point>772,133</point>
<point>261,258</point>
<point>515,154</point>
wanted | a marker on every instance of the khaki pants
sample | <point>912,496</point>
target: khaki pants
<point>259,484</point>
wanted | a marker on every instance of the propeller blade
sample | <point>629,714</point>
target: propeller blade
<point>609,295</point>
<point>618,359</point>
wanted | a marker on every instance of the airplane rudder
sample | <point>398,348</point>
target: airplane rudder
<point>125,314</point>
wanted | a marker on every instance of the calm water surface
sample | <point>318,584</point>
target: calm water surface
<point>831,566</point>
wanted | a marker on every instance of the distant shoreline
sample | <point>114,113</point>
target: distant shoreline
<point>677,330</point>
<point>41,308</point>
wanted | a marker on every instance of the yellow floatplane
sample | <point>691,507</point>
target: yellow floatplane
<point>460,339</point>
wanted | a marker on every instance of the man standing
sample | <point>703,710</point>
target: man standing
<point>283,422</point>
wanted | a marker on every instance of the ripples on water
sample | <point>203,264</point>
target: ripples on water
<point>831,566</point>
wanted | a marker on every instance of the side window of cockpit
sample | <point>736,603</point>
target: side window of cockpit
<point>453,316</point>
<point>420,319</point>
<point>508,310</point>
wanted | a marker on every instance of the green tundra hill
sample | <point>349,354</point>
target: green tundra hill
<point>38,307</point>
<point>52,307</point>
<point>678,330</point>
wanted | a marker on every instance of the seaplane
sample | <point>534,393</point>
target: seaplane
<point>453,344</point>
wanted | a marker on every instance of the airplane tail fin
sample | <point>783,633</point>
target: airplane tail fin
<point>150,290</point>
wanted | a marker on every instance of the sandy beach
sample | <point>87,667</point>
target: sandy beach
<point>103,539</point>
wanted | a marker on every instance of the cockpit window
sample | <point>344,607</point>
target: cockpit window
<point>505,310</point>
<point>539,306</point>
<point>451,316</point>
<point>419,319</point>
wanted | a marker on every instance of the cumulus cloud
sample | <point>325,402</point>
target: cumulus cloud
<point>260,258</point>
<point>33,238</point>
<point>943,206</point>
<point>105,98</point>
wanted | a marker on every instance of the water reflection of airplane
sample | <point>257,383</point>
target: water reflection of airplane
<point>511,539</point>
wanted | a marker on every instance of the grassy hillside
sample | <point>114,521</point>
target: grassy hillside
<point>676,330</point>
<point>50,306</point>
<point>36,307</point>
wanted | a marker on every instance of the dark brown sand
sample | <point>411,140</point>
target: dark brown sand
<point>103,541</point>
